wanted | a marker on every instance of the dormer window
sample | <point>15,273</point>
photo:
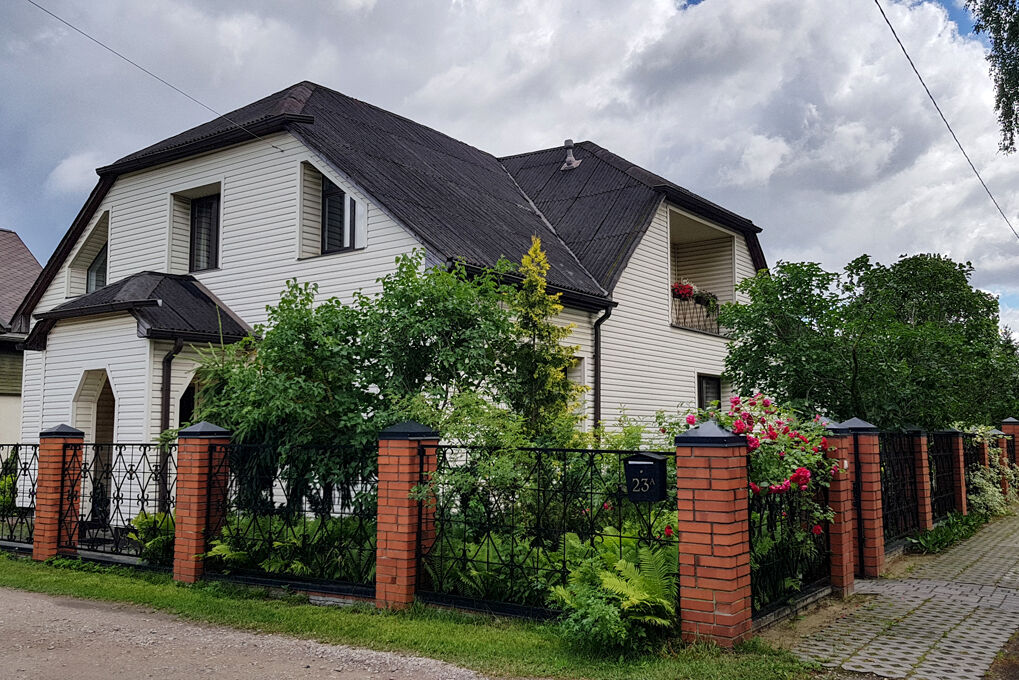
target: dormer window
<point>88,270</point>
<point>95,277</point>
<point>332,219</point>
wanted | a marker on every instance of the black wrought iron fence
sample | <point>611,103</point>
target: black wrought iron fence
<point>788,556</point>
<point>1010,449</point>
<point>695,316</point>
<point>293,514</point>
<point>119,501</point>
<point>19,464</point>
<point>941,464</point>
<point>971,449</point>
<point>501,528</point>
<point>898,485</point>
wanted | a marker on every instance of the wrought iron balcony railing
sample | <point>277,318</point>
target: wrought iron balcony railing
<point>695,316</point>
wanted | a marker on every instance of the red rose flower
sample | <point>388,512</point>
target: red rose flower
<point>817,530</point>
<point>668,531</point>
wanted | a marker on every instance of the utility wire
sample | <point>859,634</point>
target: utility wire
<point>150,73</point>
<point>943,118</point>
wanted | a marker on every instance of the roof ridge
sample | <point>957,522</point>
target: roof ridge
<point>536,151</point>
<point>555,233</point>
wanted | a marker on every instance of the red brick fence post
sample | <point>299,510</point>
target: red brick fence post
<point>870,529</point>
<point>922,473</point>
<point>840,500</point>
<point>57,507</point>
<point>399,528</point>
<point>202,481</point>
<point>714,535</point>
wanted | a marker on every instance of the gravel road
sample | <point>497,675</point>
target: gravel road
<point>53,638</point>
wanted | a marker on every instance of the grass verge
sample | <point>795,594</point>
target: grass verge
<point>486,644</point>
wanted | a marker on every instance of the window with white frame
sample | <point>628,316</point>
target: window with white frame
<point>87,270</point>
<point>195,229</point>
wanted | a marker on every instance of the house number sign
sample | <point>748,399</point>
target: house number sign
<point>645,477</point>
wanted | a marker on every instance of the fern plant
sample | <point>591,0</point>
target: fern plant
<point>620,606</point>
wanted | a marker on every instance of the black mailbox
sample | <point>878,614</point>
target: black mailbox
<point>645,477</point>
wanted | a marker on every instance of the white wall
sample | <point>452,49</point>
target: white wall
<point>647,364</point>
<point>10,419</point>
<point>109,343</point>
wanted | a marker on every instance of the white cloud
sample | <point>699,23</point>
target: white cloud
<point>74,174</point>
<point>801,114</point>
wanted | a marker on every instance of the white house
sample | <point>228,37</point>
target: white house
<point>193,236</point>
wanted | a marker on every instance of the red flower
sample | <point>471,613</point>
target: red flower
<point>739,427</point>
<point>606,506</point>
<point>753,442</point>
<point>756,489</point>
<point>824,443</point>
<point>683,291</point>
<point>691,419</point>
<point>668,531</point>
<point>817,530</point>
<point>662,430</point>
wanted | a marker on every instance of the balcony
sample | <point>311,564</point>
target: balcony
<point>694,315</point>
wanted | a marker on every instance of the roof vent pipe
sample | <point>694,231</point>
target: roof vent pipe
<point>571,162</point>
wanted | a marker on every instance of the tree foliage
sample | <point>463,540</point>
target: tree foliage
<point>912,343</point>
<point>469,354</point>
<point>999,20</point>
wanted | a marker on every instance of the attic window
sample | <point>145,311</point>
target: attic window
<point>195,229</point>
<point>95,277</point>
<point>332,219</point>
<point>88,269</point>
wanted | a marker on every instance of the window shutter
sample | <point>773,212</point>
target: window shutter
<point>360,225</point>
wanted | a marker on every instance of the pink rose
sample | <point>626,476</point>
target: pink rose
<point>691,419</point>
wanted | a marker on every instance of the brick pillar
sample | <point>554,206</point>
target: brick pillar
<point>840,500</point>
<point>959,472</point>
<point>922,468</point>
<point>871,530</point>
<point>1003,460</point>
<point>714,535</point>
<point>202,481</point>
<point>1010,426</point>
<point>400,527</point>
<point>57,496</point>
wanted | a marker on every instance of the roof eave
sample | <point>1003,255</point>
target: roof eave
<point>233,135</point>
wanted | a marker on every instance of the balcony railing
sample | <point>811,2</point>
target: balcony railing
<point>695,316</point>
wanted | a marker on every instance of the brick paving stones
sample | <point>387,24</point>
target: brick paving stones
<point>947,621</point>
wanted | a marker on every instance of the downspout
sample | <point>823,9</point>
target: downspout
<point>164,424</point>
<point>597,364</point>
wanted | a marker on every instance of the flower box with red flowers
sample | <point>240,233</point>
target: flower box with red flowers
<point>683,291</point>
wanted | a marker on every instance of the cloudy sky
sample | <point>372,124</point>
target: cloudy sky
<point>802,115</point>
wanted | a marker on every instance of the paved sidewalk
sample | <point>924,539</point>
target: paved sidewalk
<point>947,621</point>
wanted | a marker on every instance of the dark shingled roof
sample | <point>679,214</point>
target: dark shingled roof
<point>602,207</point>
<point>167,306</point>
<point>18,271</point>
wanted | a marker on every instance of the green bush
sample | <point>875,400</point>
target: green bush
<point>957,527</point>
<point>8,494</point>
<point>335,548</point>
<point>985,496</point>
<point>616,605</point>
<point>154,532</point>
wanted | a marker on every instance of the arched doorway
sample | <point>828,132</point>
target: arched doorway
<point>95,414</point>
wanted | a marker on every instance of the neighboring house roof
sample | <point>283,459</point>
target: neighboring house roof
<point>460,202</point>
<point>18,273</point>
<point>167,306</point>
<point>604,205</point>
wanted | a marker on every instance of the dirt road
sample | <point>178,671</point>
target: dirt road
<point>51,638</point>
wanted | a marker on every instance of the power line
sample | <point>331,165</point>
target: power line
<point>943,118</point>
<point>148,72</point>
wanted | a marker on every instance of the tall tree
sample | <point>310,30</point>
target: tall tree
<point>999,20</point>
<point>908,344</point>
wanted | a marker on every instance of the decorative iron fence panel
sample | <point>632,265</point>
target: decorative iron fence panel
<point>971,447</point>
<point>695,316</point>
<point>786,557</point>
<point>19,465</point>
<point>500,529</point>
<point>1010,449</point>
<point>898,485</point>
<point>304,515</point>
<point>119,501</point>
<point>941,464</point>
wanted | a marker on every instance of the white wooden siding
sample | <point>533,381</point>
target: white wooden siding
<point>647,365</point>
<point>583,338</point>
<point>74,346</point>
<point>311,211</point>
<point>744,266</point>
<point>180,235</point>
<point>181,370</point>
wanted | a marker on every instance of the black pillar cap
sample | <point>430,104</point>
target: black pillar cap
<point>65,431</point>
<point>408,430</point>
<point>203,430</point>
<point>709,433</point>
<point>1010,420</point>
<point>854,426</point>
<point>996,431</point>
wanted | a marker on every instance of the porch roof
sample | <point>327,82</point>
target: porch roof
<point>167,306</point>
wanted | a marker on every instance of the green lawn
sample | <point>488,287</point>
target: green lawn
<point>486,644</point>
